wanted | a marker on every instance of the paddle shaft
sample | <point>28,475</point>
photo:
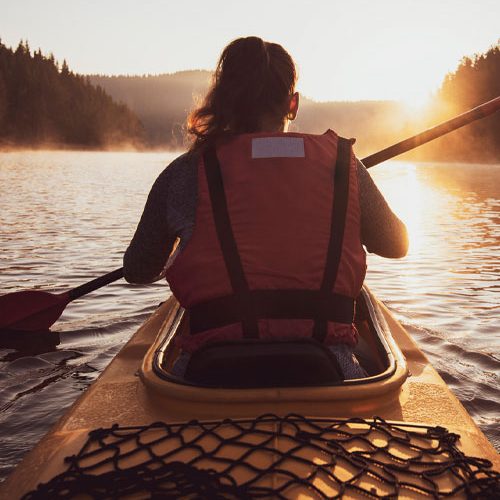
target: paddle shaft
<point>474,114</point>
<point>470,116</point>
<point>104,280</point>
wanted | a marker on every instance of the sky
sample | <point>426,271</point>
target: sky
<point>344,50</point>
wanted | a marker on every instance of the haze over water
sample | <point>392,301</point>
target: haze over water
<point>67,217</point>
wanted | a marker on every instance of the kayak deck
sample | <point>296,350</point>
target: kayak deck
<point>130,393</point>
<point>271,457</point>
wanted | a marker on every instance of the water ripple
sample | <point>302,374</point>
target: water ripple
<point>67,217</point>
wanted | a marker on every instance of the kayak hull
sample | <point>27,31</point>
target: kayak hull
<point>128,393</point>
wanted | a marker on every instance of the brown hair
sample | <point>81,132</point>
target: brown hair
<point>253,80</point>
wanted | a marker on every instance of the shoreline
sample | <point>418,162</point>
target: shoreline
<point>55,148</point>
<point>167,150</point>
<point>49,148</point>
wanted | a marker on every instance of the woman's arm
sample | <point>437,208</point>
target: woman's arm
<point>169,214</point>
<point>152,243</point>
<point>381,230</point>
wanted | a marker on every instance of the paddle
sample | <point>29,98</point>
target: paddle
<point>481,111</point>
<point>37,310</point>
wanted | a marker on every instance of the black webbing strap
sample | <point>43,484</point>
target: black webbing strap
<point>339,209</point>
<point>239,284</point>
<point>272,304</point>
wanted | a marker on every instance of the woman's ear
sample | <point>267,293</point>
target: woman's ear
<point>293,107</point>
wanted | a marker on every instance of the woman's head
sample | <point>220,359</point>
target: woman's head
<point>253,90</point>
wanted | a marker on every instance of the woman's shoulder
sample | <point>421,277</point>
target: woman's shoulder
<point>185,160</point>
<point>179,171</point>
<point>180,166</point>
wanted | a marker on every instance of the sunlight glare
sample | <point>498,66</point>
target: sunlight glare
<point>405,194</point>
<point>416,102</point>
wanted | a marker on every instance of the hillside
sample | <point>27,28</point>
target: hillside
<point>43,104</point>
<point>162,103</point>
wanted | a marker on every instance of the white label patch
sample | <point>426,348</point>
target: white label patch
<point>278,147</point>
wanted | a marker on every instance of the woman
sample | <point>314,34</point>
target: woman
<point>270,225</point>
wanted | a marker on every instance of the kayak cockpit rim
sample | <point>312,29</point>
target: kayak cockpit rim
<point>383,344</point>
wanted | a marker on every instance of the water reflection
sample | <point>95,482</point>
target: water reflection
<point>451,271</point>
<point>446,290</point>
<point>31,343</point>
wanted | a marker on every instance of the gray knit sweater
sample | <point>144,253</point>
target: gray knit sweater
<point>171,207</point>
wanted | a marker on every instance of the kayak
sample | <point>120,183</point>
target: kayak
<point>268,420</point>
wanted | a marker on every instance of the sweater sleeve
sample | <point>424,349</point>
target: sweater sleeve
<point>382,232</point>
<point>162,221</point>
<point>169,214</point>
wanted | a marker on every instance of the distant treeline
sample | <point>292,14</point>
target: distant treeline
<point>476,80</point>
<point>163,101</point>
<point>42,103</point>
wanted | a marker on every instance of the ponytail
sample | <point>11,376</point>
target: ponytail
<point>253,80</point>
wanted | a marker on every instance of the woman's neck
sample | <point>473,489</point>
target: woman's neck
<point>270,124</point>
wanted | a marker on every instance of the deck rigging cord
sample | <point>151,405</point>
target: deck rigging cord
<point>273,457</point>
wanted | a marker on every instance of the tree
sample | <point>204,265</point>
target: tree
<point>475,81</point>
<point>40,102</point>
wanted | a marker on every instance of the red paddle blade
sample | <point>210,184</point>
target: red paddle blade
<point>31,310</point>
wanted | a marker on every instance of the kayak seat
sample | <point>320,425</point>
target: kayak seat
<point>256,363</point>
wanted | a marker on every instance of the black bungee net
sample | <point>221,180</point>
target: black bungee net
<point>273,457</point>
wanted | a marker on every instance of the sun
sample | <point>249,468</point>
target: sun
<point>416,101</point>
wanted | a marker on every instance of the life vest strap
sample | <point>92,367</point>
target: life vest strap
<point>272,304</point>
<point>227,241</point>
<point>336,241</point>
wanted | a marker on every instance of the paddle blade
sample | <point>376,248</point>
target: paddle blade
<point>31,310</point>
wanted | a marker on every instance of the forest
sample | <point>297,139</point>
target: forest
<point>44,104</point>
<point>476,80</point>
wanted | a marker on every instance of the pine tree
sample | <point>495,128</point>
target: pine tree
<point>475,81</point>
<point>41,102</point>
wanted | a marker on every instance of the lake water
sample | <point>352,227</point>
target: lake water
<point>66,217</point>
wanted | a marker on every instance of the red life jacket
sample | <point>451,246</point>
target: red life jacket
<point>276,250</point>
